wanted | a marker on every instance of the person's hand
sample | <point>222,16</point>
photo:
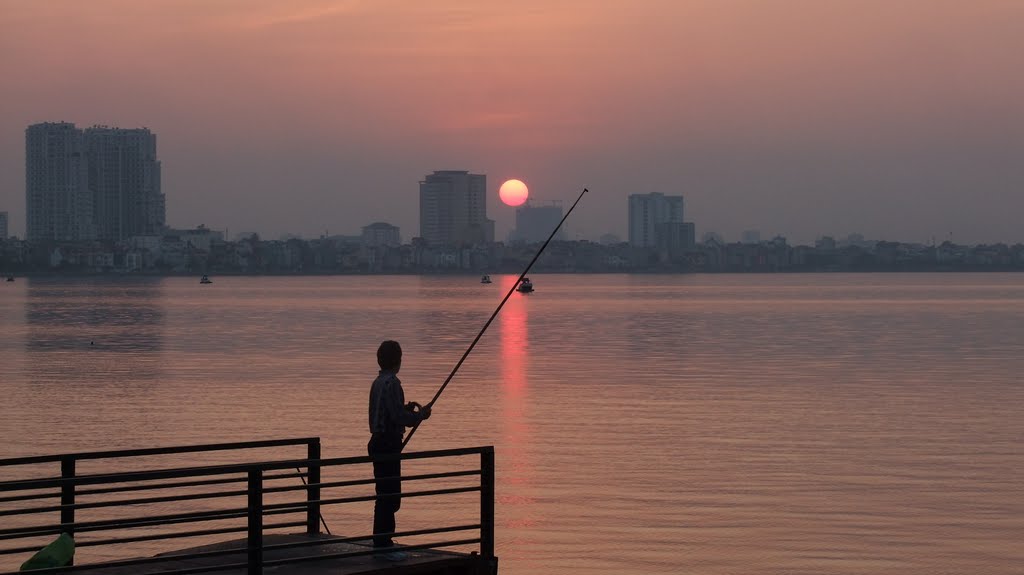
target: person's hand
<point>425,411</point>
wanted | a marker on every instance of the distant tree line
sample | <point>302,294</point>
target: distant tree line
<point>173,256</point>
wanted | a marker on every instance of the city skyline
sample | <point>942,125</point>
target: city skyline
<point>903,122</point>
<point>101,163</point>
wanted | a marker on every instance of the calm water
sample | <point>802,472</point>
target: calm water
<point>781,424</point>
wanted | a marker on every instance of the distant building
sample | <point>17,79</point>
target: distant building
<point>381,234</point>
<point>676,238</point>
<point>124,178</point>
<point>199,238</point>
<point>712,237</point>
<point>825,243</point>
<point>3,225</point>
<point>609,240</point>
<point>344,239</point>
<point>100,183</point>
<point>857,240</point>
<point>534,223</point>
<point>751,237</point>
<point>453,209</point>
<point>647,212</point>
<point>58,203</point>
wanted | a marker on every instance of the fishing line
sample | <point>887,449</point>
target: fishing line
<point>326,528</point>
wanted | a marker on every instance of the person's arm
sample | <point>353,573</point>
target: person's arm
<point>394,404</point>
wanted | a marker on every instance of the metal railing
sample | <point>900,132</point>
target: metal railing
<point>258,479</point>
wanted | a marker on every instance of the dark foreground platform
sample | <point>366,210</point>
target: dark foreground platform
<point>419,562</point>
<point>260,497</point>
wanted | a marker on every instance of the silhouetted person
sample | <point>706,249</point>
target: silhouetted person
<point>389,416</point>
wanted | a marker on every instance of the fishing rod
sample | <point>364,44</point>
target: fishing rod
<point>493,315</point>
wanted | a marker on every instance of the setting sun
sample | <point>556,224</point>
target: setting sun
<point>513,193</point>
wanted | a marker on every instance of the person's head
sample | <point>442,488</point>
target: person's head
<point>389,355</point>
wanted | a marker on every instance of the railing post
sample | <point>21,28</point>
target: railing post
<point>313,491</point>
<point>487,502</point>
<point>67,495</point>
<point>254,544</point>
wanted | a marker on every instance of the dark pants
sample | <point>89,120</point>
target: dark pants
<point>389,486</point>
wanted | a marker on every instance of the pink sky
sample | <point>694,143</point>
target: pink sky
<point>900,120</point>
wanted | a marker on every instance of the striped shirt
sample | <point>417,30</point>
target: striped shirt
<point>387,406</point>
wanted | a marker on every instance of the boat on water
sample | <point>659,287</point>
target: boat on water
<point>205,279</point>
<point>525,286</point>
<point>485,279</point>
<point>10,278</point>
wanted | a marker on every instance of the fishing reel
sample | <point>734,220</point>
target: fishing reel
<point>418,409</point>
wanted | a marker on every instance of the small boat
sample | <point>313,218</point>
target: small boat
<point>205,279</point>
<point>525,286</point>
<point>10,278</point>
<point>486,279</point>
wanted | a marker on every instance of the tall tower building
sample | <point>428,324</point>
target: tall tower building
<point>535,222</point>
<point>124,178</point>
<point>103,183</point>
<point>3,226</point>
<point>58,204</point>
<point>648,213</point>
<point>453,209</point>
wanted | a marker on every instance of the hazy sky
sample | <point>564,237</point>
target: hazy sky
<point>898,119</point>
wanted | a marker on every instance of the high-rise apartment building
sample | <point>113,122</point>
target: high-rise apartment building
<point>124,178</point>
<point>453,209</point>
<point>58,203</point>
<point>535,222</point>
<point>101,183</point>
<point>648,213</point>
<point>3,226</point>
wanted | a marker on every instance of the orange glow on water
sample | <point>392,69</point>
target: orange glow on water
<point>514,342</point>
<point>515,386</point>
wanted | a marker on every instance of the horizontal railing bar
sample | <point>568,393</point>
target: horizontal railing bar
<point>183,534</point>
<point>12,550</point>
<point>122,523</point>
<point>371,481</point>
<point>176,484</point>
<point>369,551</point>
<point>30,497</point>
<point>115,503</point>
<point>157,451</point>
<point>144,522</point>
<point>169,473</point>
<point>357,499</point>
<point>178,535</point>
<point>126,477</point>
<point>332,540</point>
